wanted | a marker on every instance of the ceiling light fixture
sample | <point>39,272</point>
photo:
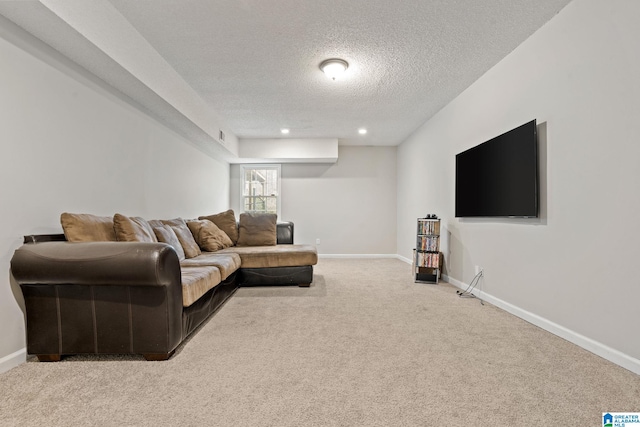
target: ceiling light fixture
<point>334,67</point>
<point>362,131</point>
<point>284,131</point>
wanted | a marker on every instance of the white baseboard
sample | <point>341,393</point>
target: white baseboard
<point>606,352</point>
<point>358,256</point>
<point>407,260</point>
<point>13,360</point>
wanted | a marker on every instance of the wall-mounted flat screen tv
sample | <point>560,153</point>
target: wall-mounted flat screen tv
<point>499,178</point>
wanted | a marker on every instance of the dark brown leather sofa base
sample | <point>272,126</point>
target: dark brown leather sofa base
<point>300,275</point>
<point>67,319</point>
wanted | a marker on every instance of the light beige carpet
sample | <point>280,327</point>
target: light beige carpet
<point>364,346</point>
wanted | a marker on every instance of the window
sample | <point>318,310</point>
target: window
<point>260,188</point>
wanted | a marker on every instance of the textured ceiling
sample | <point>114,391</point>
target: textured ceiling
<point>255,62</point>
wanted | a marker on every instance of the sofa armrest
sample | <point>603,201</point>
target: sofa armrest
<point>96,263</point>
<point>100,298</point>
<point>284,232</point>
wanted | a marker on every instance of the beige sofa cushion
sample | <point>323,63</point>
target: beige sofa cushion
<point>257,229</point>
<point>208,236</point>
<point>165,234</point>
<point>133,229</point>
<point>274,256</point>
<point>191,248</point>
<point>182,232</point>
<point>226,221</point>
<point>177,222</point>
<point>87,228</point>
<point>155,223</point>
<point>196,281</point>
<point>226,263</point>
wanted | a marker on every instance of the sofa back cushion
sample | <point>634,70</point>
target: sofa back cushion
<point>189,245</point>
<point>208,236</point>
<point>257,229</point>
<point>133,229</point>
<point>226,221</point>
<point>87,228</point>
<point>165,234</point>
<point>155,223</point>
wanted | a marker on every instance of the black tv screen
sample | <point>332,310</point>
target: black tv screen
<point>499,178</point>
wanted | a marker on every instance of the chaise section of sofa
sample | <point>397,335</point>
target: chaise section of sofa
<point>282,264</point>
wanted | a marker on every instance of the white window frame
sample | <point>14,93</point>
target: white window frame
<point>245,167</point>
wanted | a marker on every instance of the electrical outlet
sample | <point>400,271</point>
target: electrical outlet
<point>317,241</point>
<point>478,269</point>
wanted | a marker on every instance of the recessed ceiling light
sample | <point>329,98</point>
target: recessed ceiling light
<point>334,67</point>
<point>362,131</point>
<point>284,131</point>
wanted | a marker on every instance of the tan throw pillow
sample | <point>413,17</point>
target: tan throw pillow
<point>226,221</point>
<point>155,223</point>
<point>133,229</point>
<point>178,222</point>
<point>257,229</point>
<point>87,228</point>
<point>208,236</point>
<point>165,234</point>
<point>191,248</point>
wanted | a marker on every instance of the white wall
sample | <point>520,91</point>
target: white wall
<point>350,205</point>
<point>70,145</point>
<point>576,266</point>
<point>287,150</point>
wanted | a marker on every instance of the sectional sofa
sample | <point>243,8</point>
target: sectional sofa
<point>124,285</point>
